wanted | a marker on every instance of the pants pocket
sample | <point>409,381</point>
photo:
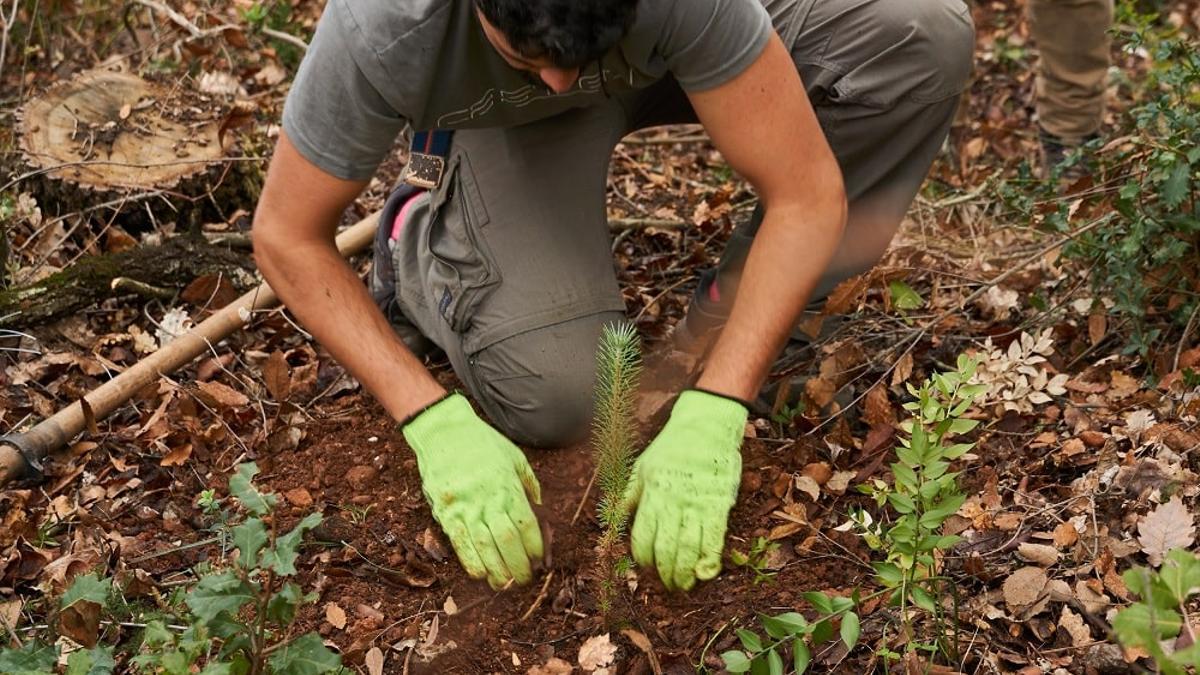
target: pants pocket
<point>458,269</point>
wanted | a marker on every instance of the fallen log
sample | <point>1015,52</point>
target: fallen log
<point>174,263</point>
<point>24,452</point>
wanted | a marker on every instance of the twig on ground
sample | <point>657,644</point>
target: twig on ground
<point>626,223</point>
<point>4,33</point>
<point>141,288</point>
<point>661,294</point>
<point>587,491</point>
<point>1187,333</point>
<point>541,597</point>
<point>173,549</point>
<point>290,39</point>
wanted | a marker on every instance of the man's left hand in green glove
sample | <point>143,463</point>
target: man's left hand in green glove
<point>684,485</point>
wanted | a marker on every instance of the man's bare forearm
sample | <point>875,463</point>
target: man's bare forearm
<point>331,302</point>
<point>791,250</point>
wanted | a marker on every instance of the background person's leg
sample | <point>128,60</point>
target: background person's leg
<point>884,77</point>
<point>507,268</point>
<point>1073,42</point>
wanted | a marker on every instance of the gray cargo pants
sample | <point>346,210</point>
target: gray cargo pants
<point>506,266</point>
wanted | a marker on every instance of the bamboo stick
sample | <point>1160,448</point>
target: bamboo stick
<point>56,431</point>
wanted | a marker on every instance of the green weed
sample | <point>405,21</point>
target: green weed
<point>236,617</point>
<point>1161,612</point>
<point>756,558</point>
<point>791,631</point>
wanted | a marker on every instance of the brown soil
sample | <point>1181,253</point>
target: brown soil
<point>391,570</point>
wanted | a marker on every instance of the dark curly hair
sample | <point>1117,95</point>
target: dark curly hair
<point>571,33</point>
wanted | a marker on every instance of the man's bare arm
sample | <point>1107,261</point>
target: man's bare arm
<point>764,125</point>
<point>294,228</point>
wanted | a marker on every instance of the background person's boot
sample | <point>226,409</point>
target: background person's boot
<point>1073,161</point>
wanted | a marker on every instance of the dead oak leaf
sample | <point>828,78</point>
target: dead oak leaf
<point>1074,625</point>
<point>1167,527</point>
<point>597,652</point>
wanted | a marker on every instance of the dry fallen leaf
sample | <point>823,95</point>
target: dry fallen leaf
<point>1038,554</point>
<point>1093,601</point>
<point>904,369</point>
<point>276,376</point>
<point>1065,534</point>
<point>1024,587</point>
<point>809,487</point>
<point>81,622</point>
<point>642,642</point>
<point>596,652</point>
<point>222,395</point>
<point>1075,627</point>
<point>840,481</point>
<point>10,614</point>
<point>335,615</point>
<point>1167,527</point>
<point>554,666</point>
<point>177,456</point>
<point>374,661</point>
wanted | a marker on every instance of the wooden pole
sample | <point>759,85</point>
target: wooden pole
<point>22,451</point>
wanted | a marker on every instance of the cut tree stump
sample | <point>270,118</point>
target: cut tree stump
<point>102,135</point>
<point>173,264</point>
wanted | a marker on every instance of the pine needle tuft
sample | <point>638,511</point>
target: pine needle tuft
<point>618,367</point>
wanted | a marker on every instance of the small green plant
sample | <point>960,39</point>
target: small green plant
<point>237,616</point>
<point>47,533</point>
<point>1161,612</point>
<point>618,368</point>
<point>357,514</point>
<point>756,558</point>
<point>275,15</point>
<point>791,630</point>
<point>208,502</point>
<point>923,493</point>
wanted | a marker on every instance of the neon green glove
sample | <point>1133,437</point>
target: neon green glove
<point>476,482</point>
<point>686,482</point>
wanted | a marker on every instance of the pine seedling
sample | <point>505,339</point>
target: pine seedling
<point>618,367</point>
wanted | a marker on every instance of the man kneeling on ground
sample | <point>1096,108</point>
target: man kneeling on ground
<point>496,249</point>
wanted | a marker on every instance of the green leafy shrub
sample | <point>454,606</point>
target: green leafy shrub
<point>1142,254</point>
<point>923,492</point>
<point>618,368</point>
<point>1161,611</point>
<point>237,617</point>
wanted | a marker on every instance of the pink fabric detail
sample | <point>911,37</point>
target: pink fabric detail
<point>714,293</point>
<point>398,223</point>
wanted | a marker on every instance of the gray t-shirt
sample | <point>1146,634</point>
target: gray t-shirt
<point>377,66</point>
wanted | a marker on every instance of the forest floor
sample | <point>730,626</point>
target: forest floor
<point>1079,441</point>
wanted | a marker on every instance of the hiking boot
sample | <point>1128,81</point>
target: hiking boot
<point>1070,162</point>
<point>383,276</point>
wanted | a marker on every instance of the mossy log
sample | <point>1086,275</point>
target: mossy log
<point>173,264</point>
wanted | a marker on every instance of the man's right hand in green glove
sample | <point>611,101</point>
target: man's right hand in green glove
<point>477,483</point>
